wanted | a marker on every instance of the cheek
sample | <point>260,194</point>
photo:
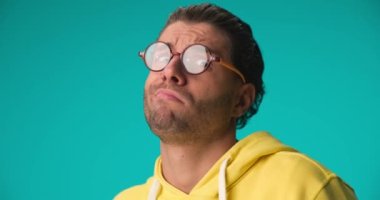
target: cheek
<point>150,79</point>
<point>210,84</point>
<point>203,92</point>
<point>215,91</point>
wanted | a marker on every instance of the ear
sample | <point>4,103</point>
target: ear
<point>245,98</point>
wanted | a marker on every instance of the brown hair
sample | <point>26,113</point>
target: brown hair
<point>245,52</point>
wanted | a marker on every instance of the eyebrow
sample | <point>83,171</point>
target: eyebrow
<point>172,43</point>
<point>212,50</point>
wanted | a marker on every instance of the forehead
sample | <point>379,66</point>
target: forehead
<point>182,34</point>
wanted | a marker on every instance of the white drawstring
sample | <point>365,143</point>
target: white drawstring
<point>222,180</point>
<point>153,191</point>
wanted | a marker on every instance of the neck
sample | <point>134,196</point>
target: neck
<point>184,165</point>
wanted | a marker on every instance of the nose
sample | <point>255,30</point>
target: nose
<point>174,71</point>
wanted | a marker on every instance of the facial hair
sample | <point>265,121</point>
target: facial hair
<point>202,120</point>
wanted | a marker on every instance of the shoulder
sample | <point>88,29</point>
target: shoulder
<point>298,172</point>
<point>295,161</point>
<point>136,192</point>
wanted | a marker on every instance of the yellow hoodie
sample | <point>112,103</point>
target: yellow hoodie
<point>258,167</point>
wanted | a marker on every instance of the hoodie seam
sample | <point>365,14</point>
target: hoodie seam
<point>324,184</point>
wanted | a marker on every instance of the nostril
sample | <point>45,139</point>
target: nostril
<point>173,76</point>
<point>174,72</point>
<point>175,79</point>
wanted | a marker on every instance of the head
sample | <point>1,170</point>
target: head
<point>218,99</point>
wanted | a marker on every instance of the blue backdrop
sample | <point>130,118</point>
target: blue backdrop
<point>71,85</point>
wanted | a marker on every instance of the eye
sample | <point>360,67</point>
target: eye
<point>201,62</point>
<point>195,60</point>
<point>162,58</point>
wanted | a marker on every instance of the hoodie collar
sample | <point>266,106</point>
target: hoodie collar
<point>233,164</point>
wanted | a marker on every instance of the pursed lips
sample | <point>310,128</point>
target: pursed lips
<point>168,95</point>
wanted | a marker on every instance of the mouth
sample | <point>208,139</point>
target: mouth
<point>170,95</point>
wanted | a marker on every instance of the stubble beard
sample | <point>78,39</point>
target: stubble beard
<point>187,127</point>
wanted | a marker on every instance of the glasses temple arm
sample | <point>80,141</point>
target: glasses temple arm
<point>232,68</point>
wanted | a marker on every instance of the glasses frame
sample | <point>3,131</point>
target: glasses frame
<point>210,58</point>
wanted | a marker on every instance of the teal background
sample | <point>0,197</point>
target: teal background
<point>71,85</point>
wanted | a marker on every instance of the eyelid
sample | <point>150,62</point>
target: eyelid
<point>170,45</point>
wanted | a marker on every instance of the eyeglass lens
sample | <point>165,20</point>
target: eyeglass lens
<point>194,58</point>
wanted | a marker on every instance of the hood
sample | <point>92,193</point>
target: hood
<point>225,172</point>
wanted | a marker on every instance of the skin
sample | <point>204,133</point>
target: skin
<point>194,115</point>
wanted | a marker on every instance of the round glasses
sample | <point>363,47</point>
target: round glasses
<point>196,58</point>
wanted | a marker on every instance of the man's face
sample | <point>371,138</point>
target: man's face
<point>184,108</point>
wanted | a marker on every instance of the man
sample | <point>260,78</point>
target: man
<point>205,81</point>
